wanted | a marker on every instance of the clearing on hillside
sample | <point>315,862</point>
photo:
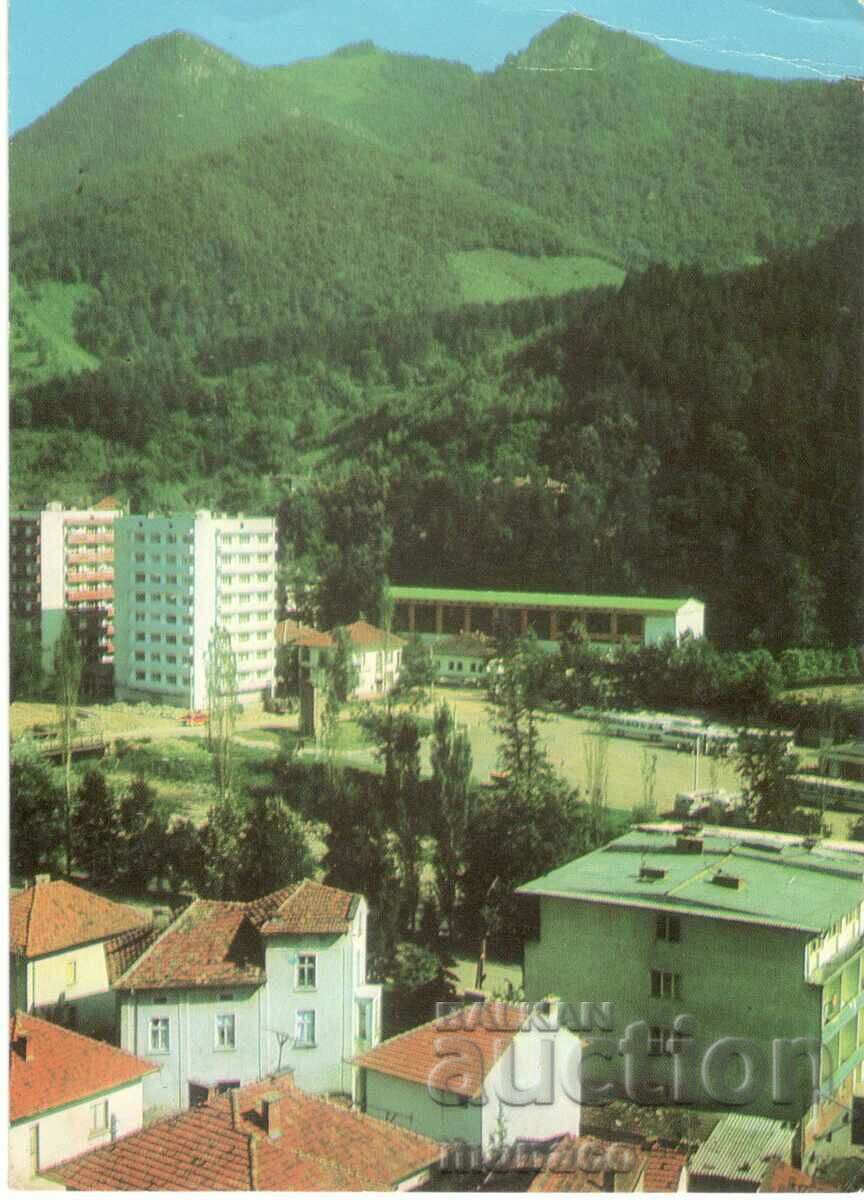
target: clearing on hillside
<point>492,276</point>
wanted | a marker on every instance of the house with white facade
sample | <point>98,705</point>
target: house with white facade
<point>463,659</point>
<point>478,1075</point>
<point>67,1095</point>
<point>266,1137</point>
<point>376,654</point>
<point>233,991</point>
<point>179,578</point>
<point>66,947</point>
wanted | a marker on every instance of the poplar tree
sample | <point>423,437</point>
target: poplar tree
<point>68,667</point>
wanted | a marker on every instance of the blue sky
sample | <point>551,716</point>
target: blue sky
<point>55,44</point>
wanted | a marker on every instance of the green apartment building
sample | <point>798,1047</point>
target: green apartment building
<point>727,946</point>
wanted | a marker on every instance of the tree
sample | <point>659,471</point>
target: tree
<point>451,789</point>
<point>96,828</point>
<point>416,673</point>
<point>36,809</point>
<point>221,844</point>
<point>25,651</point>
<point>516,688</point>
<point>221,669</point>
<point>340,680</point>
<point>397,737</point>
<point>142,820</point>
<point>274,848</point>
<point>596,750</point>
<point>770,793</point>
<point>68,666</point>
<point>183,856</point>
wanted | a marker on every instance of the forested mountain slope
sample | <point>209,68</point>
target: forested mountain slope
<point>345,184</point>
<point>703,433</point>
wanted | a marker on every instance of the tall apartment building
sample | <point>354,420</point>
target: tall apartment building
<point>180,577</point>
<point>62,561</point>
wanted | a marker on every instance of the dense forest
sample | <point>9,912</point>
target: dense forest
<point>262,307</point>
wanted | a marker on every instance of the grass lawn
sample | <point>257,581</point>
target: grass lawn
<point>42,337</point>
<point>498,975</point>
<point>492,276</point>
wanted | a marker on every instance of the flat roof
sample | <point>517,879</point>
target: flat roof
<point>646,604</point>
<point>782,883</point>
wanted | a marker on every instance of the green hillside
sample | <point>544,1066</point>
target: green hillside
<point>42,335</point>
<point>492,276</point>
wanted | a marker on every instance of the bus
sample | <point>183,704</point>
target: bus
<point>823,790</point>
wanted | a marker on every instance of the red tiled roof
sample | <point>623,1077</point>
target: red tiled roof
<point>218,942</point>
<point>312,908</point>
<point>322,1146</point>
<point>663,1169</point>
<point>53,916</point>
<point>361,634</point>
<point>781,1177</point>
<point>126,948</point>
<point>107,502</point>
<point>291,633</point>
<point>579,1164</point>
<point>64,1067</point>
<point>457,1052</point>
<point>365,636</point>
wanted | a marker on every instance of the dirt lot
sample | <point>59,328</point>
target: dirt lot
<point>565,736</point>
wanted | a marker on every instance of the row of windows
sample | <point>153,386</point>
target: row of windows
<point>156,677</point>
<point>184,560</point>
<point>168,618</point>
<point>243,539</point>
<point>247,597</point>
<point>155,656</point>
<point>156,538</point>
<point>170,638</point>
<point>225,1031</point>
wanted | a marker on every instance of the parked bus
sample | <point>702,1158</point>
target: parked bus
<point>819,790</point>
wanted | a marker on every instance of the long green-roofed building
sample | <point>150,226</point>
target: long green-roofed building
<point>640,620</point>
<point>752,935</point>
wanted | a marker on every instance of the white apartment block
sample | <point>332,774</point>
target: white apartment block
<point>177,579</point>
<point>62,562</point>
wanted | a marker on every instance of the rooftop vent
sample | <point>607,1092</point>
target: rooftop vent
<point>727,881</point>
<point>652,873</point>
<point>688,845</point>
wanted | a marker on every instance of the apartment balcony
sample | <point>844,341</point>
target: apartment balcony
<point>90,594</point>
<point>90,577</point>
<point>826,955</point>
<point>93,557</point>
<point>90,539</point>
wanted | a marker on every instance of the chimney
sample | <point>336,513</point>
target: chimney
<point>234,1095</point>
<point>23,1048</point>
<point>41,879</point>
<point>272,1114</point>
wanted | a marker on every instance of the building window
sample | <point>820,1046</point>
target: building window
<point>665,985</point>
<point>71,972</point>
<point>668,928</point>
<point>304,1034</point>
<point>658,1041</point>
<point>99,1117</point>
<point>306,970</point>
<point>225,1031</point>
<point>160,1035</point>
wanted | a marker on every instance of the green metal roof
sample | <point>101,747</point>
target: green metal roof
<point>739,1148</point>
<point>787,886</point>
<point>646,604</point>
